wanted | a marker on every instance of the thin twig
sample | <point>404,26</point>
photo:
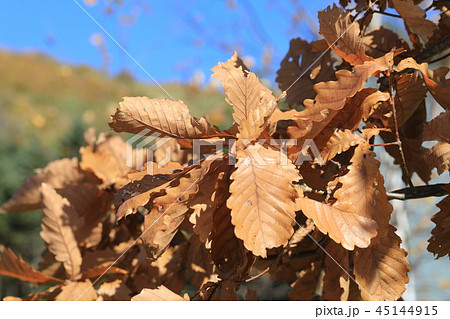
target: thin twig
<point>387,14</point>
<point>397,135</point>
<point>385,144</point>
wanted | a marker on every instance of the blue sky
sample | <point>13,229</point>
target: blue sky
<point>172,40</point>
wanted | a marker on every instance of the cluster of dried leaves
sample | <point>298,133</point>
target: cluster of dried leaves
<point>321,227</point>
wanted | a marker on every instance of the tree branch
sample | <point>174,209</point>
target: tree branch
<point>418,192</point>
<point>425,55</point>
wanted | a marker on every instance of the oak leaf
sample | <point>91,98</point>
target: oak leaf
<point>414,18</point>
<point>14,266</point>
<point>381,270</point>
<point>262,200</point>
<point>439,243</point>
<point>57,174</point>
<point>159,294</point>
<point>336,282</point>
<point>331,96</point>
<point>77,290</point>
<point>169,211</point>
<point>435,80</point>
<point>340,142</point>
<point>342,35</point>
<point>252,102</point>
<point>167,117</point>
<point>224,290</point>
<point>362,209</point>
<point>300,66</point>
<point>57,231</point>
<point>303,289</point>
<point>227,251</point>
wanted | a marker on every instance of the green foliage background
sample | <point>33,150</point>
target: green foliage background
<point>45,108</point>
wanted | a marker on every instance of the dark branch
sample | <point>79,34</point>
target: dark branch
<point>418,192</point>
<point>427,54</point>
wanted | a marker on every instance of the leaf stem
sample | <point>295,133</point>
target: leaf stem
<point>397,135</point>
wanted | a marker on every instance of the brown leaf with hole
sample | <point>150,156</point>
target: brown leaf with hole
<point>380,41</point>
<point>435,80</point>
<point>336,282</point>
<point>168,211</point>
<point>58,220</point>
<point>114,291</point>
<point>227,251</point>
<point>14,266</point>
<point>199,263</point>
<point>362,209</point>
<point>381,270</point>
<point>262,200</point>
<point>212,191</point>
<point>342,35</point>
<point>300,63</point>
<point>252,102</point>
<point>303,289</point>
<point>414,18</point>
<point>56,173</point>
<point>439,243</point>
<point>332,96</point>
<point>77,291</point>
<point>340,142</point>
<point>159,294</point>
<point>144,116</point>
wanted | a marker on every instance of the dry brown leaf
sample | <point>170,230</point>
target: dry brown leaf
<point>435,80</point>
<point>262,200</point>
<point>212,191</point>
<point>338,29</point>
<point>414,18</point>
<point>168,211</point>
<point>362,209</point>
<point>106,159</point>
<point>439,243</point>
<point>167,117</point>
<point>14,266</point>
<point>303,289</point>
<point>159,294</point>
<point>336,282</point>
<point>58,218</point>
<point>340,142</point>
<point>332,96</point>
<point>299,58</point>
<point>252,102</point>
<point>438,128</point>
<point>57,174</point>
<point>410,94</point>
<point>227,251</point>
<point>439,157</point>
<point>77,290</point>
<point>91,205</point>
<point>381,270</point>
<point>200,265</point>
<point>114,291</point>
<point>224,290</point>
<point>380,41</point>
